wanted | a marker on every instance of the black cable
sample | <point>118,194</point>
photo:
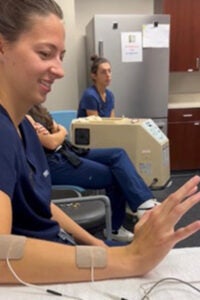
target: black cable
<point>54,292</point>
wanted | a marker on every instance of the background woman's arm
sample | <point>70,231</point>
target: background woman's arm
<point>49,140</point>
<point>79,234</point>
<point>92,112</point>
<point>112,114</point>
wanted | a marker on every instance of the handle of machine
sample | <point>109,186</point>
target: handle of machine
<point>197,63</point>
<point>100,48</point>
<point>161,125</point>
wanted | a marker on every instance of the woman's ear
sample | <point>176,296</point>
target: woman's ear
<point>2,44</point>
<point>93,76</point>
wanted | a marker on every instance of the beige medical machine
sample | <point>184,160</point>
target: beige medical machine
<point>146,145</point>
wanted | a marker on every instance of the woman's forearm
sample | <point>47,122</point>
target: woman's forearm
<point>46,262</point>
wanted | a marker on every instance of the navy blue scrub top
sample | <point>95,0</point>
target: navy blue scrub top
<point>91,100</point>
<point>25,178</point>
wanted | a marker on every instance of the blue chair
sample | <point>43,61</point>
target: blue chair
<point>88,211</point>
<point>64,117</point>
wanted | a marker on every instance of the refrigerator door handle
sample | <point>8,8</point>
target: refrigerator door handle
<point>100,48</point>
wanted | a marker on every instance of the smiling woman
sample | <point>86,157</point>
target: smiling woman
<point>39,52</point>
<point>31,52</point>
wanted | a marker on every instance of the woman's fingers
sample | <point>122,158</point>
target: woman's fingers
<point>182,233</point>
<point>160,221</point>
<point>155,235</point>
<point>180,209</point>
<point>189,188</point>
<point>41,129</point>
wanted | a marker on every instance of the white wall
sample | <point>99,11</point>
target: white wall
<point>77,14</point>
<point>65,91</point>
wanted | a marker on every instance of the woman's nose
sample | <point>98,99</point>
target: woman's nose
<point>57,70</point>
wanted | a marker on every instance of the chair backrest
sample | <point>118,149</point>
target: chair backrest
<point>64,117</point>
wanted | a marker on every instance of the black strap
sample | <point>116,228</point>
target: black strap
<point>72,158</point>
<point>77,150</point>
<point>66,237</point>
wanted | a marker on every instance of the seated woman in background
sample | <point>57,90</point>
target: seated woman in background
<point>107,168</point>
<point>97,100</point>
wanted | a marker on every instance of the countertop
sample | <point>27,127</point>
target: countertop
<point>184,100</point>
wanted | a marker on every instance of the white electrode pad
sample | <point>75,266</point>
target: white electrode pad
<point>91,256</point>
<point>12,246</point>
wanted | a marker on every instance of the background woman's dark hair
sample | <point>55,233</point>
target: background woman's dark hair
<point>16,15</point>
<point>97,60</point>
<point>41,115</point>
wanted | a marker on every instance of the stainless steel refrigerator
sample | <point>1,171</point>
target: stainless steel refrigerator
<point>140,87</point>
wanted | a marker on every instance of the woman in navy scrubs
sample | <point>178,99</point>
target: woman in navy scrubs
<point>98,100</point>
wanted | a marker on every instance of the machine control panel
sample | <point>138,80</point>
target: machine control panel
<point>150,126</point>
